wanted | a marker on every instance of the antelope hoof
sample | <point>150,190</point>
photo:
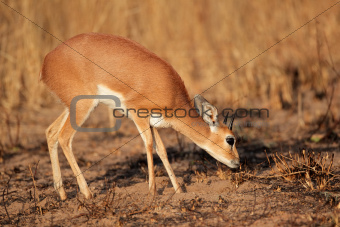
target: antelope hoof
<point>62,193</point>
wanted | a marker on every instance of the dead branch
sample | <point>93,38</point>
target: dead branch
<point>35,187</point>
<point>3,198</point>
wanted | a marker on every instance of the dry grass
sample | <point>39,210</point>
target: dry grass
<point>252,199</point>
<point>235,177</point>
<point>203,40</point>
<point>312,170</point>
<point>9,138</point>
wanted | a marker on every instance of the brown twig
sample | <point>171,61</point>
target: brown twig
<point>107,201</point>
<point>311,168</point>
<point>330,56</point>
<point>333,84</point>
<point>331,164</point>
<point>327,111</point>
<point>35,187</point>
<point>275,176</point>
<point>253,212</point>
<point>3,198</point>
<point>8,124</point>
<point>83,204</point>
<point>268,160</point>
<point>13,142</point>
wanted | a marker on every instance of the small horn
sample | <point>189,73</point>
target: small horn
<point>231,123</point>
<point>226,119</point>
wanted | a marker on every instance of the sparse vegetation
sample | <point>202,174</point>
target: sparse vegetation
<point>205,41</point>
<point>313,171</point>
<point>255,196</point>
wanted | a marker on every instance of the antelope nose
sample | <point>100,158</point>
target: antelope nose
<point>235,163</point>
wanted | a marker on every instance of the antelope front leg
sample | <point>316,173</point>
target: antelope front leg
<point>161,151</point>
<point>152,179</point>
<point>65,139</point>
<point>149,148</point>
<point>52,134</point>
<point>146,134</point>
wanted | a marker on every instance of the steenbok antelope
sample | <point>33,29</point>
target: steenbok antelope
<point>99,64</point>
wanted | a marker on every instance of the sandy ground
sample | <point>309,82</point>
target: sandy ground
<point>213,194</point>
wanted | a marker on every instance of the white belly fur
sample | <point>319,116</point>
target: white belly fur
<point>159,123</point>
<point>102,90</point>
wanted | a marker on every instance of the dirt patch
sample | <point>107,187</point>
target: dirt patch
<point>213,194</point>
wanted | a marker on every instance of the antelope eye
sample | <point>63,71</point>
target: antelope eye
<point>230,141</point>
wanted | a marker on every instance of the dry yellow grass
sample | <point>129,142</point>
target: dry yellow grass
<point>203,40</point>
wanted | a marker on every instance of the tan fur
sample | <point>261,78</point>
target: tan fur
<point>79,65</point>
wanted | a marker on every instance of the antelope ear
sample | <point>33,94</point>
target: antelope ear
<point>207,111</point>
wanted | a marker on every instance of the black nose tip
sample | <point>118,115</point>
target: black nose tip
<point>230,141</point>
